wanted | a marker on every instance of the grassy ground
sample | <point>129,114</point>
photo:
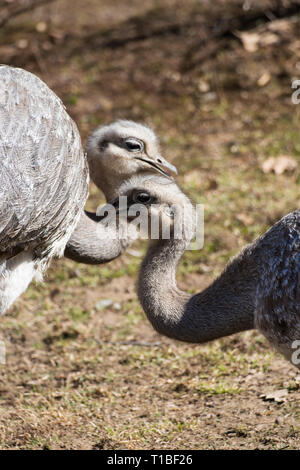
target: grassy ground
<point>71,380</point>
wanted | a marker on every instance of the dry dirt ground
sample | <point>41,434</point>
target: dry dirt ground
<point>82,376</point>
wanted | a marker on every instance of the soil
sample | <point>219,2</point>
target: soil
<point>82,376</point>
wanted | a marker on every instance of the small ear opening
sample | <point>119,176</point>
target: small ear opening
<point>102,144</point>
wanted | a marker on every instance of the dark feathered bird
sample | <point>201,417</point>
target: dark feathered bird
<point>259,288</point>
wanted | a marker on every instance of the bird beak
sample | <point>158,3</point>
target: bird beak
<point>161,165</point>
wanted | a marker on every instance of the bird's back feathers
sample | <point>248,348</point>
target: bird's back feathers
<point>43,171</point>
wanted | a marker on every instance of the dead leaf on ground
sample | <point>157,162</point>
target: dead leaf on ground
<point>246,219</point>
<point>279,164</point>
<point>280,26</point>
<point>250,41</point>
<point>253,40</point>
<point>264,79</point>
<point>41,27</point>
<point>267,39</point>
<point>279,396</point>
<point>22,43</point>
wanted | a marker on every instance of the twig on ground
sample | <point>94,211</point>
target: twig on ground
<point>17,7</point>
<point>129,343</point>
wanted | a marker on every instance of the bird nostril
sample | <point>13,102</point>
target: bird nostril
<point>158,160</point>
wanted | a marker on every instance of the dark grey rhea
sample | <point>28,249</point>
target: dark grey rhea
<point>259,288</point>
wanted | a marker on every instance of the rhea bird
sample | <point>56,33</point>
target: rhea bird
<point>119,150</point>
<point>259,288</point>
<point>114,153</point>
<point>44,182</point>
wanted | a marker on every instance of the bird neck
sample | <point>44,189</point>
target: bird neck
<point>108,175</point>
<point>110,184</point>
<point>227,306</point>
<point>258,287</point>
<point>96,242</point>
<point>109,180</point>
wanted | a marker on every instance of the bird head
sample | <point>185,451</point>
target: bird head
<point>157,206</point>
<point>122,149</point>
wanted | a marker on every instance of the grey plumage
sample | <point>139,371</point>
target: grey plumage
<point>43,172</point>
<point>278,294</point>
<point>44,184</point>
<point>259,288</point>
<point>95,242</point>
<point>111,162</point>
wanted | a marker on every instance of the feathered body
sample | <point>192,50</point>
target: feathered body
<point>259,288</point>
<point>277,313</point>
<point>43,179</point>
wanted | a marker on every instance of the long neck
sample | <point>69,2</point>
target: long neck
<point>93,242</point>
<point>109,180</point>
<point>227,306</point>
<point>108,177</point>
<point>108,183</point>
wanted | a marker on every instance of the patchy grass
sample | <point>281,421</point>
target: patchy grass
<point>81,378</point>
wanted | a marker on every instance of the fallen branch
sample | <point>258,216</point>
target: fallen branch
<point>9,10</point>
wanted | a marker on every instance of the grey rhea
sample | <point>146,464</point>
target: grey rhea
<point>43,180</point>
<point>44,186</point>
<point>114,153</point>
<point>259,288</point>
<point>119,150</point>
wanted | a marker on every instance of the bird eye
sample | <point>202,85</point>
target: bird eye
<point>134,145</point>
<point>142,197</point>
